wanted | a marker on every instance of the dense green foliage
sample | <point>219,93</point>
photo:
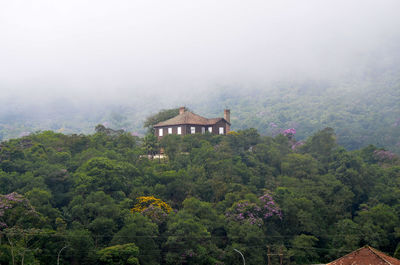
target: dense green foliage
<point>312,202</point>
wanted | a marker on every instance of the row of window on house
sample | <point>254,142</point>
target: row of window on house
<point>192,130</point>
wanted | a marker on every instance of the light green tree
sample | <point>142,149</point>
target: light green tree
<point>119,255</point>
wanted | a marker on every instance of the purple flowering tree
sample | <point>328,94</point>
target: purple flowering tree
<point>17,218</point>
<point>9,202</point>
<point>270,208</point>
<point>254,213</point>
<point>296,145</point>
<point>385,156</point>
<point>156,214</point>
<point>290,133</point>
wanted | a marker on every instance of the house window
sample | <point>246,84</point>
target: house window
<point>160,132</point>
<point>210,129</point>
<point>169,130</point>
<point>192,130</point>
<point>203,130</point>
<point>221,130</point>
<point>179,130</point>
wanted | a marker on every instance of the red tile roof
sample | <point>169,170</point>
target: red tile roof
<point>366,256</point>
<point>188,118</point>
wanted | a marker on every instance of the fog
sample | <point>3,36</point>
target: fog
<point>123,50</point>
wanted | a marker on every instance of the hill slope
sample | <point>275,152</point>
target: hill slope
<point>363,110</point>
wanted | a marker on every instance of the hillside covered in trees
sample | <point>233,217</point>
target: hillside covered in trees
<point>98,199</point>
<point>362,109</point>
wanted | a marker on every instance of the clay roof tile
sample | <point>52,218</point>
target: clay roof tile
<point>366,256</point>
<point>188,118</point>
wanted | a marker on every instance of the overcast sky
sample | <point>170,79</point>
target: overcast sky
<point>122,49</point>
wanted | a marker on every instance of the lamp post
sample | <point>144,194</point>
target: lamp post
<point>59,253</point>
<point>244,261</point>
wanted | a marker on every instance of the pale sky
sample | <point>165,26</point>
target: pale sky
<point>122,49</point>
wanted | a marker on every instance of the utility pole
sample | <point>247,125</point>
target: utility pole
<point>269,255</point>
<point>280,254</point>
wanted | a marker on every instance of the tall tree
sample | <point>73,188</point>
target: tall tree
<point>159,117</point>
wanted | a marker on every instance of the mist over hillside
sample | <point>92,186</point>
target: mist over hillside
<point>70,66</point>
<point>362,110</point>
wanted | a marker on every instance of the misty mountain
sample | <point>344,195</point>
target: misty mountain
<point>361,109</point>
<point>68,66</point>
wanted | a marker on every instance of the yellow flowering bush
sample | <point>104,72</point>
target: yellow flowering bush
<point>233,133</point>
<point>144,202</point>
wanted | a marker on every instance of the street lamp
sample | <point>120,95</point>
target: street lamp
<point>244,262</point>
<point>59,253</point>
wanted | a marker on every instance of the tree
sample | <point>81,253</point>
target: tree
<point>188,241</point>
<point>150,144</point>
<point>81,246</point>
<point>299,166</point>
<point>97,204</point>
<point>172,145</point>
<point>20,223</point>
<point>140,230</point>
<point>103,229</point>
<point>159,117</point>
<point>346,236</point>
<point>101,129</point>
<point>204,211</point>
<point>321,144</point>
<point>101,173</point>
<point>378,226</point>
<point>303,249</point>
<point>16,211</point>
<point>22,245</point>
<point>119,255</point>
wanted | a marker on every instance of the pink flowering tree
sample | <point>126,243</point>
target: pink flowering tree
<point>289,132</point>
<point>15,210</point>
<point>385,156</point>
<point>277,130</point>
<point>17,221</point>
<point>295,145</point>
<point>254,213</point>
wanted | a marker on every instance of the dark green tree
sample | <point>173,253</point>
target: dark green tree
<point>159,117</point>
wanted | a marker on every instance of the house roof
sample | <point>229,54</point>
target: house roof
<point>189,118</point>
<point>366,256</point>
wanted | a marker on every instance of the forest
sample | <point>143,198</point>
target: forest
<point>101,199</point>
<point>363,109</point>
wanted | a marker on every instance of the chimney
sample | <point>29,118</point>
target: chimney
<point>227,115</point>
<point>181,110</point>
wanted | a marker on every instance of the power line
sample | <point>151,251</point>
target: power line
<point>161,236</point>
